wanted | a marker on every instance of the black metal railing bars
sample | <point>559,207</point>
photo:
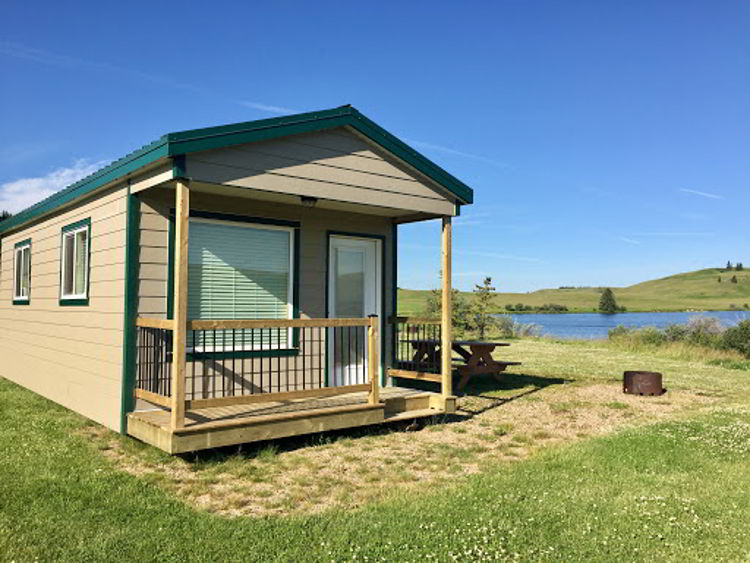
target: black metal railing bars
<point>153,371</point>
<point>247,361</point>
<point>417,344</point>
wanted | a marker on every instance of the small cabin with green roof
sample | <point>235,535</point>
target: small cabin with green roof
<point>230,284</point>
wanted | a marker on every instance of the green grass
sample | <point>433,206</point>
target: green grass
<point>646,494</point>
<point>697,290</point>
<point>671,491</point>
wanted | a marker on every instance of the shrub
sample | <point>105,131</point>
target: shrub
<point>651,336</point>
<point>705,331</point>
<point>737,338</point>
<point>510,307</point>
<point>733,279</point>
<point>676,333</point>
<point>552,308</point>
<point>508,327</point>
<point>618,332</point>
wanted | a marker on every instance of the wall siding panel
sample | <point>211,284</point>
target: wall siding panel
<point>71,355</point>
<point>335,165</point>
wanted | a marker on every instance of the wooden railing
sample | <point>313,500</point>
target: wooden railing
<point>231,362</point>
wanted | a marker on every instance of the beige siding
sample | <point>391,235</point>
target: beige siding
<point>314,226</point>
<point>335,165</point>
<point>71,355</point>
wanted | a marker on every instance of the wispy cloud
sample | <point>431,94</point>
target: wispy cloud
<point>673,234</point>
<point>267,108</point>
<point>629,240</point>
<point>19,51</point>
<point>497,256</point>
<point>468,222</point>
<point>20,152</point>
<point>20,194</point>
<point>447,150</point>
<point>693,216</point>
<point>468,274</point>
<point>702,194</point>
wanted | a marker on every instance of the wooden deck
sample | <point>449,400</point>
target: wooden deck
<point>237,424</point>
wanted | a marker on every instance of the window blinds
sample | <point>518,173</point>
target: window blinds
<point>237,271</point>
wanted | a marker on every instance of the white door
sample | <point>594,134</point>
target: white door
<point>354,290</point>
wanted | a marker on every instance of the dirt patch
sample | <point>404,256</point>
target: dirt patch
<point>348,471</point>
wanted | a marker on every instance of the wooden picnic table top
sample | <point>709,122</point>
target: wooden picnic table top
<point>458,342</point>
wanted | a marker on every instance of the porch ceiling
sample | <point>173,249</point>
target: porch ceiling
<point>398,214</point>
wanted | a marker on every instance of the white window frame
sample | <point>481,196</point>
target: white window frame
<point>87,254</point>
<point>17,285</point>
<point>290,288</point>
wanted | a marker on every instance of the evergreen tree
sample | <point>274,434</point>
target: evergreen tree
<point>729,265</point>
<point>460,308</point>
<point>607,302</point>
<point>5,215</point>
<point>481,318</point>
<point>739,267</point>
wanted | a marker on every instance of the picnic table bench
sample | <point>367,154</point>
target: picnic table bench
<point>476,360</point>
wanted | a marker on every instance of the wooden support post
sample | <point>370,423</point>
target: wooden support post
<point>447,308</point>
<point>179,333</point>
<point>372,360</point>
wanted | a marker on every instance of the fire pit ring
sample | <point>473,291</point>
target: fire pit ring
<point>642,383</point>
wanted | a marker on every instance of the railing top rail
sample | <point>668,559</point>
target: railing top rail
<point>147,322</point>
<point>274,323</point>
<point>413,320</point>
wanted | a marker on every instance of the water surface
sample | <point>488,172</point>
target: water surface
<point>596,325</point>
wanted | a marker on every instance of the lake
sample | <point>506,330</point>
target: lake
<point>595,325</point>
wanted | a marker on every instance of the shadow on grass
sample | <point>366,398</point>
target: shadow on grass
<point>267,450</point>
<point>512,386</point>
<point>509,387</point>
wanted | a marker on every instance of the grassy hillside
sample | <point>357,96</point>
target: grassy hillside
<point>699,290</point>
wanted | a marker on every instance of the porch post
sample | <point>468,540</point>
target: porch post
<point>372,360</point>
<point>446,326</point>
<point>179,332</point>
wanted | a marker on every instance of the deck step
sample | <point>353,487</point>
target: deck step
<point>411,415</point>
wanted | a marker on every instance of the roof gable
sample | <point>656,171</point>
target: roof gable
<point>180,143</point>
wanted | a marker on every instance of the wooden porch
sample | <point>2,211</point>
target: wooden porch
<point>237,424</point>
<point>209,383</point>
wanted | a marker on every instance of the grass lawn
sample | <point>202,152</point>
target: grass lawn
<point>553,464</point>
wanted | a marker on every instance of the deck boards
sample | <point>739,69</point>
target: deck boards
<point>245,414</point>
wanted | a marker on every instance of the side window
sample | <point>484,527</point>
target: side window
<point>74,269</point>
<point>22,273</point>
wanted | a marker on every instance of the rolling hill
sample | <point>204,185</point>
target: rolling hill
<point>698,290</point>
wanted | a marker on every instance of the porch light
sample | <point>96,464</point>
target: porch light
<point>308,201</point>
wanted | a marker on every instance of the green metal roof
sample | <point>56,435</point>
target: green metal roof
<point>184,142</point>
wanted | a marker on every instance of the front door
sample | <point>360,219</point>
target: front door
<point>354,290</point>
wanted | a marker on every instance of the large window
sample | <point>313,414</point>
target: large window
<point>74,279</point>
<point>22,272</point>
<point>239,271</point>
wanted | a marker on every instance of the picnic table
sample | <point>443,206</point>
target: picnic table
<point>475,360</point>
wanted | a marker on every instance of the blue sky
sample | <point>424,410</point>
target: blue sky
<point>607,142</point>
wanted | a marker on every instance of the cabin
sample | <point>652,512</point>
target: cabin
<point>230,284</point>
